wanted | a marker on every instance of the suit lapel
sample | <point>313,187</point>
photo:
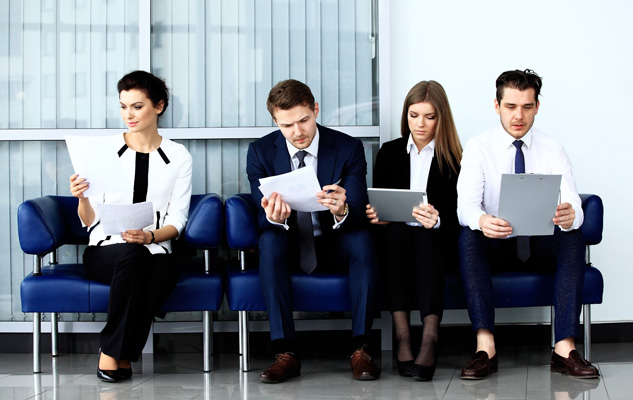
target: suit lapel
<point>326,157</point>
<point>280,155</point>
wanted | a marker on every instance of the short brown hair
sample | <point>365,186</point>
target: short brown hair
<point>288,94</point>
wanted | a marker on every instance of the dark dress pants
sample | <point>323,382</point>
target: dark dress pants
<point>140,284</point>
<point>351,251</point>
<point>413,269</point>
<point>563,251</point>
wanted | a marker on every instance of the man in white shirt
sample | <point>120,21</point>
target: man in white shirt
<point>486,242</point>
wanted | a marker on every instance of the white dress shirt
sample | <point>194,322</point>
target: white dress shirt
<point>310,160</point>
<point>420,162</point>
<point>489,155</point>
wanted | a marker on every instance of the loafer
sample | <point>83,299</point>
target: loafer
<point>480,366</point>
<point>405,368</point>
<point>363,368</point>
<point>285,366</point>
<point>574,366</point>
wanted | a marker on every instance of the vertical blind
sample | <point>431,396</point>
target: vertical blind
<point>220,58</point>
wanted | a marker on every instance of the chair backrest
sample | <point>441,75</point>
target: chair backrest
<point>48,222</point>
<point>594,212</point>
<point>242,231</point>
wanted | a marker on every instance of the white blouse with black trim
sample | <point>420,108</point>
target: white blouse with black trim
<point>162,177</point>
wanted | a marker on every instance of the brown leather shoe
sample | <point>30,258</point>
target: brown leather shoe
<point>363,368</point>
<point>284,367</point>
<point>574,366</point>
<point>480,366</point>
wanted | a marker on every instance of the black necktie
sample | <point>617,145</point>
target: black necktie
<point>523,242</point>
<point>307,252</point>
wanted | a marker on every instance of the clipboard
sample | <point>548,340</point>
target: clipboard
<point>395,205</point>
<point>528,202</point>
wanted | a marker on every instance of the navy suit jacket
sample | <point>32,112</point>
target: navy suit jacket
<point>393,170</point>
<point>340,157</point>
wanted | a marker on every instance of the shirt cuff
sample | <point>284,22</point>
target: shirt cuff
<point>337,224</point>
<point>284,225</point>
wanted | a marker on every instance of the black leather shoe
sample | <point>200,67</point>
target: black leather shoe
<point>574,366</point>
<point>424,372</point>
<point>405,368</point>
<point>480,366</point>
<point>106,375</point>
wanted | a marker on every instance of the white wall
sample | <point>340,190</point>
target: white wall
<point>583,50</point>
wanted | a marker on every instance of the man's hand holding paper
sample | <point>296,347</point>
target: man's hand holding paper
<point>297,189</point>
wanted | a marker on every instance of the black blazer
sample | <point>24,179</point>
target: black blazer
<point>392,170</point>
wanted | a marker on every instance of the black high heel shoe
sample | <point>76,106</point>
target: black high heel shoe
<point>423,373</point>
<point>125,373</point>
<point>107,375</point>
<point>405,368</point>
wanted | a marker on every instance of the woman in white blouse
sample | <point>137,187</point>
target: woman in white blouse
<point>137,264</point>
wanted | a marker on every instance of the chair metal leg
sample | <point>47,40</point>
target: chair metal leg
<point>386,331</point>
<point>207,340</point>
<point>552,316</point>
<point>54,337</point>
<point>37,330</point>
<point>245,355</point>
<point>586,316</point>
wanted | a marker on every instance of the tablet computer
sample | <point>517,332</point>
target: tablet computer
<point>528,202</point>
<point>395,205</point>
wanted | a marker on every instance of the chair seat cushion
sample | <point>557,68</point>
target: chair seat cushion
<point>60,288</point>
<point>524,289</point>
<point>314,292</point>
<point>195,291</point>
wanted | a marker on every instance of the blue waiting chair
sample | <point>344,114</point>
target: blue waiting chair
<point>49,222</point>
<point>329,292</point>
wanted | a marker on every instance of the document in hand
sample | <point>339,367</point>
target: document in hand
<point>117,218</point>
<point>297,188</point>
<point>395,205</point>
<point>95,158</point>
<point>528,202</point>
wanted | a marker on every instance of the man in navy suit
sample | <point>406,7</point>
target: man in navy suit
<point>336,239</point>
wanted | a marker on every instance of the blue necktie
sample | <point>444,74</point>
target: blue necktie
<point>307,251</point>
<point>523,242</point>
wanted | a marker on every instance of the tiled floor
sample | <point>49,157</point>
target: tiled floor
<point>524,374</point>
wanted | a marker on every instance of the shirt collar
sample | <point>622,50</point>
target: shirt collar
<point>313,149</point>
<point>509,140</point>
<point>411,145</point>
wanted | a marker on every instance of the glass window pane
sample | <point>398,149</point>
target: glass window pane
<point>220,58</point>
<point>62,60</point>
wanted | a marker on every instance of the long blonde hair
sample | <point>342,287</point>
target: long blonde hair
<point>448,148</point>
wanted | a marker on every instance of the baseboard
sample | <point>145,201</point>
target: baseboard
<point>321,341</point>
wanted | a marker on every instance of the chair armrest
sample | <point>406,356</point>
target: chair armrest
<point>206,221</point>
<point>242,231</point>
<point>48,222</point>
<point>594,212</point>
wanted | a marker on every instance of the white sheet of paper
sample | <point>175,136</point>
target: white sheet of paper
<point>95,158</point>
<point>297,188</point>
<point>117,218</point>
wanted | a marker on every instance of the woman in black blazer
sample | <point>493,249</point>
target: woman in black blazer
<point>416,255</point>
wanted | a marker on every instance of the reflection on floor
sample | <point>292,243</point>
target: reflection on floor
<point>523,374</point>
